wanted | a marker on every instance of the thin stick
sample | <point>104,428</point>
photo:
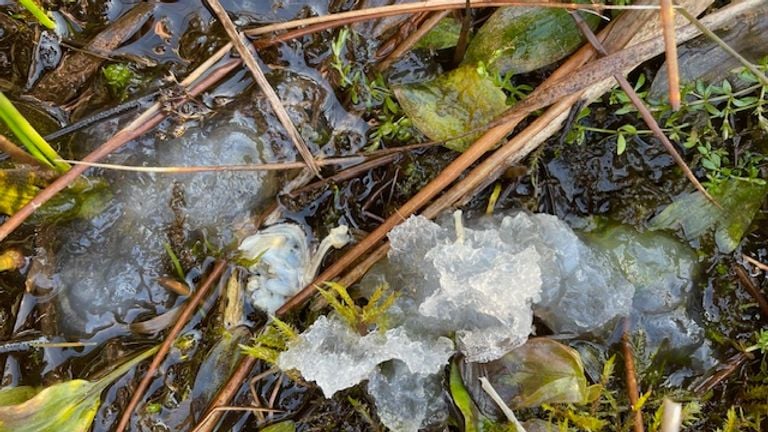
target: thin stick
<point>278,166</point>
<point>433,5</point>
<point>17,154</point>
<point>249,59</point>
<point>629,368</point>
<point>645,113</point>
<point>727,48</point>
<point>411,40</point>
<point>225,395</point>
<point>186,314</point>
<point>348,173</point>
<point>668,27</point>
<point>748,284</point>
<point>220,410</point>
<point>755,262</point>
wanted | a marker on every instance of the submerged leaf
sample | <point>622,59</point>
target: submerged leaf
<point>444,35</point>
<point>19,186</point>
<point>539,372</point>
<point>519,39</point>
<point>68,406</point>
<point>451,105</point>
<point>739,199</point>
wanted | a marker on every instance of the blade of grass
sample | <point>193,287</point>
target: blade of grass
<point>39,13</point>
<point>37,146</point>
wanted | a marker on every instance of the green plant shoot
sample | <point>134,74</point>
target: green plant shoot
<point>39,13</point>
<point>29,137</point>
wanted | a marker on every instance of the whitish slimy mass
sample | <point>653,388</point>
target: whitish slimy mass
<point>108,265</point>
<point>482,283</point>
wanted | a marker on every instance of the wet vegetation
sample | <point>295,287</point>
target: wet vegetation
<point>116,267</point>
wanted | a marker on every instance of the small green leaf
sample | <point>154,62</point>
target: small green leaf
<point>740,200</point>
<point>523,39</point>
<point>621,144</point>
<point>39,13</point>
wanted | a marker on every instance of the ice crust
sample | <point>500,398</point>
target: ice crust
<point>482,283</point>
<point>353,358</point>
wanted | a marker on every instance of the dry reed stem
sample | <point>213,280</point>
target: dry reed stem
<point>181,321</point>
<point>249,59</point>
<point>277,166</point>
<point>427,6</point>
<point>755,262</point>
<point>225,394</point>
<point>631,378</point>
<point>411,40</point>
<point>749,285</point>
<point>668,30</point>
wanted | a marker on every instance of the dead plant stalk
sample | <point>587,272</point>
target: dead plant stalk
<point>185,315</point>
<point>249,59</point>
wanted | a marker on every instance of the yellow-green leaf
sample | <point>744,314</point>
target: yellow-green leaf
<point>448,107</point>
<point>542,371</point>
<point>68,406</point>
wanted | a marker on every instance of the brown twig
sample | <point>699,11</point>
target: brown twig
<point>748,284</point>
<point>645,113</point>
<point>463,42</point>
<point>225,395</point>
<point>17,154</point>
<point>348,173</point>
<point>411,40</point>
<point>725,47</point>
<point>249,59</point>
<point>667,14</point>
<point>755,262</point>
<point>185,315</point>
<point>220,410</point>
<point>350,17</point>
<point>723,372</point>
<point>629,368</point>
<point>317,24</point>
